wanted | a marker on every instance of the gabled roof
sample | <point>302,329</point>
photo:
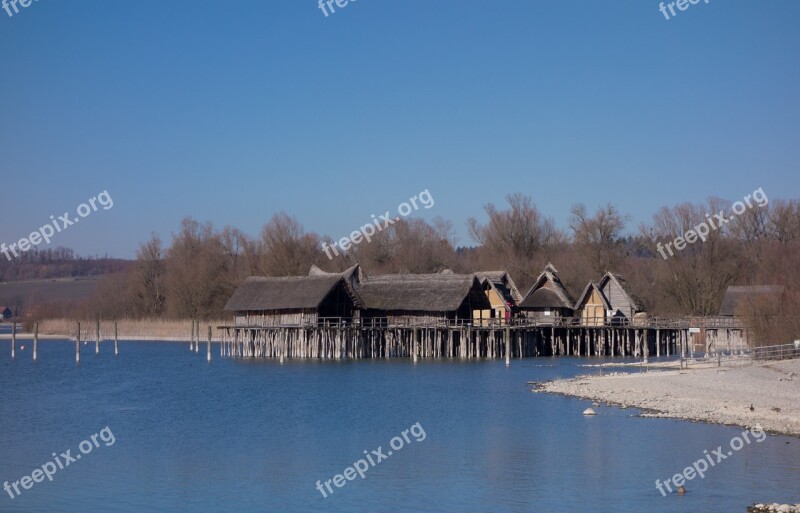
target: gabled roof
<point>555,295</point>
<point>347,273</point>
<point>736,295</point>
<point>587,291</point>
<point>501,280</point>
<point>421,292</point>
<point>286,293</point>
<point>634,301</point>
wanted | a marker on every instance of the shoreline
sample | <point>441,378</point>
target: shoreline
<point>710,394</point>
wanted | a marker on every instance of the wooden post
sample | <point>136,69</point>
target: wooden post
<point>508,346</point>
<point>97,338</point>
<point>116,339</point>
<point>197,340</point>
<point>191,338</point>
<point>78,345</point>
<point>209,344</point>
<point>13,339</point>
<point>645,346</point>
<point>35,341</point>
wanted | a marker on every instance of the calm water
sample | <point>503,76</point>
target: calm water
<point>237,436</point>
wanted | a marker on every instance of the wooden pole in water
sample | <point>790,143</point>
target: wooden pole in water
<point>78,345</point>
<point>191,338</point>
<point>97,338</point>
<point>508,346</point>
<point>13,339</point>
<point>209,344</point>
<point>35,341</point>
<point>116,339</point>
<point>197,340</point>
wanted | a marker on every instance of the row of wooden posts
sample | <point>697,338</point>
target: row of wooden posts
<point>463,342</point>
<point>194,343</point>
<point>420,342</point>
<point>77,341</point>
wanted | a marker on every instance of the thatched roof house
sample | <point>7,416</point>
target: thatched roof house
<point>592,306</point>
<point>293,300</point>
<point>502,282</point>
<point>405,299</point>
<point>623,302</point>
<point>503,296</point>
<point>422,298</point>
<point>738,297</point>
<point>548,298</point>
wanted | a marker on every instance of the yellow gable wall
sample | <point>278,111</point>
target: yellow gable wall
<point>594,311</point>
<point>498,305</point>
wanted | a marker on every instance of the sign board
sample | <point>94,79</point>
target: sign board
<point>694,330</point>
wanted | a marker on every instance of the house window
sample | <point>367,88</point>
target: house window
<point>547,311</point>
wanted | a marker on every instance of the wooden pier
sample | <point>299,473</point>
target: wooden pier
<point>516,338</point>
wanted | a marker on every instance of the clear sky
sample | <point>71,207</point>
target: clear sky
<point>232,111</point>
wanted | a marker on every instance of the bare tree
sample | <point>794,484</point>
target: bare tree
<point>697,276</point>
<point>196,272</point>
<point>408,246</point>
<point>599,238</point>
<point>286,250</point>
<point>515,237</point>
<point>148,288</point>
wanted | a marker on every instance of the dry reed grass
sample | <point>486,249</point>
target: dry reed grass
<point>130,329</point>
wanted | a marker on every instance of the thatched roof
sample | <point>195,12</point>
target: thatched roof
<point>503,282</point>
<point>737,295</point>
<point>587,291</point>
<point>286,293</point>
<point>347,273</point>
<point>634,300</point>
<point>548,292</point>
<point>421,292</point>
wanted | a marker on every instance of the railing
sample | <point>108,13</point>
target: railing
<point>674,323</point>
<point>779,352</point>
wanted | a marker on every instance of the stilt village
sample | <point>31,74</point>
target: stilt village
<point>446,315</point>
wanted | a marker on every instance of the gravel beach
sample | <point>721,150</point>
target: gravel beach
<point>703,393</point>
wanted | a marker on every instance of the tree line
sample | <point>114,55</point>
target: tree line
<point>195,274</point>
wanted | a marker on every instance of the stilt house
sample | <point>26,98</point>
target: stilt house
<point>548,299</point>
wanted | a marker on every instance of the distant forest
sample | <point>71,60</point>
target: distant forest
<point>42,264</point>
<point>194,275</point>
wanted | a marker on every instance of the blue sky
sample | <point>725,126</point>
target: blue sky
<point>232,111</point>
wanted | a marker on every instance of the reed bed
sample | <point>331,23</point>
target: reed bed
<point>130,329</point>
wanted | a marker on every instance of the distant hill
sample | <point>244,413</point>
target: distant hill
<point>52,276</point>
<point>20,294</point>
<point>57,263</point>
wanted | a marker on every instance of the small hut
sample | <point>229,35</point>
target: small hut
<point>421,299</point>
<point>5,313</point>
<point>548,299</point>
<point>503,296</point>
<point>592,306</point>
<point>624,304</point>
<point>294,301</point>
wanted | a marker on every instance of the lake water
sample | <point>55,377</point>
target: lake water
<point>256,436</point>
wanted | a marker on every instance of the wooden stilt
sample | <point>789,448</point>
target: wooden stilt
<point>35,341</point>
<point>13,339</point>
<point>209,344</point>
